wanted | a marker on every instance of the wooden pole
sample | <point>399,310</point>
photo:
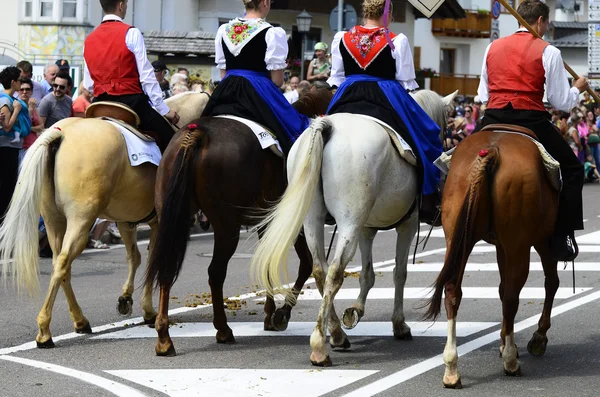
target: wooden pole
<point>533,32</point>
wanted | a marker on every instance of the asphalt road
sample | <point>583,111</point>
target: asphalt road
<point>118,358</point>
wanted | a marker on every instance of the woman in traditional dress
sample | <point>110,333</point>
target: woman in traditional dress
<point>319,68</point>
<point>252,56</point>
<point>373,69</point>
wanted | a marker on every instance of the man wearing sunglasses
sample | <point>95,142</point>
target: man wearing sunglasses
<point>58,105</point>
<point>117,69</point>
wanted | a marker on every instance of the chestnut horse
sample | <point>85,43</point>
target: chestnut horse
<point>496,191</point>
<point>217,165</point>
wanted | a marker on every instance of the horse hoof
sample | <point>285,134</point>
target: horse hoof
<point>403,336</point>
<point>452,383</point>
<point>280,320</point>
<point>125,306</point>
<point>350,318</point>
<point>325,363</point>
<point>150,321</point>
<point>170,352</point>
<point>515,373</point>
<point>537,346</point>
<point>344,345</point>
<point>227,339</point>
<point>86,329</point>
<point>49,344</point>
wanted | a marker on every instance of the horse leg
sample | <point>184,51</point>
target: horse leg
<point>226,241</point>
<point>353,314</point>
<point>405,234</point>
<point>501,266</point>
<point>134,258</point>
<point>516,270</point>
<point>537,345</point>
<point>164,346</point>
<point>452,300</point>
<point>73,243</point>
<point>146,301</point>
<point>279,321</point>
<point>345,249</point>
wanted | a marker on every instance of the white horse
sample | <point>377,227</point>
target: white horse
<point>347,165</point>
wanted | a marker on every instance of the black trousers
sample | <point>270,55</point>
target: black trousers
<point>9,169</point>
<point>150,119</point>
<point>570,208</point>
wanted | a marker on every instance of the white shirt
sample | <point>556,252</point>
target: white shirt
<point>405,67</point>
<point>135,43</point>
<point>277,46</point>
<point>560,95</point>
<point>291,96</point>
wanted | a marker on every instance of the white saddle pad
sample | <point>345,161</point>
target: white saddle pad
<point>263,135</point>
<point>139,151</point>
<point>401,145</point>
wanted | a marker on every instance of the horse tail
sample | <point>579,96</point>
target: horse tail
<point>483,168</point>
<point>283,222</point>
<point>19,238</point>
<point>170,244</point>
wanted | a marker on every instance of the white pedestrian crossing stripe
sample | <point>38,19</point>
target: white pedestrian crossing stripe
<point>490,267</point>
<point>245,329</point>
<point>235,382</point>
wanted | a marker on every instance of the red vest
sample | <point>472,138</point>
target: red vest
<point>111,64</point>
<point>516,72</point>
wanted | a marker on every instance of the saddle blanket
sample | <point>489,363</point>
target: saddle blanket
<point>265,137</point>
<point>139,151</point>
<point>550,164</point>
<point>401,145</point>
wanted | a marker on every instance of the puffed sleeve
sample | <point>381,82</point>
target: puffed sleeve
<point>405,66</point>
<point>338,74</point>
<point>277,49</point>
<point>219,54</point>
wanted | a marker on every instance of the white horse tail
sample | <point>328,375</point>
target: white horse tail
<point>19,241</point>
<point>284,221</point>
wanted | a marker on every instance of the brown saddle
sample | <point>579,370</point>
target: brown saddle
<point>510,128</point>
<point>118,113</point>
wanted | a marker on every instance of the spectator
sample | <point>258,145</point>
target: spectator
<point>182,70</point>
<point>160,71</point>
<point>293,95</point>
<point>27,71</point>
<point>57,106</point>
<point>100,226</point>
<point>319,68</point>
<point>36,127</point>
<point>9,150</point>
<point>572,135</point>
<point>178,78</point>
<point>471,121</point>
<point>198,87</point>
<point>178,88</point>
<point>82,102</point>
<point>50,72</point>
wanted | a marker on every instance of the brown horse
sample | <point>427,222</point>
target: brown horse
<point>497,190</point>
<point>217,165</point>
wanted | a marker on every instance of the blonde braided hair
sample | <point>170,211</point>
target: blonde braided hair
<point>374,9</point>
<point>251,4</point>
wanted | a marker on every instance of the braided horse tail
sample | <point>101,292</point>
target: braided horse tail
<point>174,195</point>
<point>482,170</point>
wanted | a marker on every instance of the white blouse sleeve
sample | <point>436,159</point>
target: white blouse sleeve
<point>338,75</point>
<point>277,49</point>
<point>219,54</point>
<point>405,66</point>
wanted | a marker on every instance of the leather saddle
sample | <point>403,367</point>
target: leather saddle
<point>510,128</point>
<point>118,113</point>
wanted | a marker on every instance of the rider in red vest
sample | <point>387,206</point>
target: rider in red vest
<point>117,69</point>
<point>514,71</point>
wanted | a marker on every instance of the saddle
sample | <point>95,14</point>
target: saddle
<point>511,128</point>
<point>118,113</point>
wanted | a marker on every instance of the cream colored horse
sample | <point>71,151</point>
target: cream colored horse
<point>76,171</point>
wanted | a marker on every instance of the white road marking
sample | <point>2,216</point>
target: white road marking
<point>589,238</point>
<point>436,361</point>
<point>247,329</point>
<point>116,388</point>
<point>423,293</point>
<point>235,382</point>
<point>491,267</point>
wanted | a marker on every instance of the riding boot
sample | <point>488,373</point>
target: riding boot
<point>430,209</point>
<point>563,246</point>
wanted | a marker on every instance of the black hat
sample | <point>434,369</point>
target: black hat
<point>63,64</point>
<point>159,65</point>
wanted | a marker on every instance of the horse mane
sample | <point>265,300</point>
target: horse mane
<point>314,103</point>
<point>433,105</point>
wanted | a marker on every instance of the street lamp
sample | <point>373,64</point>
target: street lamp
<point>303,20</point>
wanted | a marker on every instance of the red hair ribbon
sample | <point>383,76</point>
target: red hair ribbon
<point>483,152</point>
<point>192,126</point>
<point>58,128</point>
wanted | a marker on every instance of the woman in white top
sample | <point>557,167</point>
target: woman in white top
<point>373,69</point>
<point>252,56</point>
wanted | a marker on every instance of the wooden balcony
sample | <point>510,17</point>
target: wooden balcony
<point>445,84</point>
<point>475,25</point>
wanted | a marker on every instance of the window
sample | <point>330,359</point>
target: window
<point>69,8</point>
<point>46,8</point>
<point>28,8</point>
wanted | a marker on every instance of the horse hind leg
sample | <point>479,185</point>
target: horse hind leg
<point>146,301</point>
<point>73,243</point>
<point>537,345</point>
<point>353,314</point>
<point>134,258</point>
